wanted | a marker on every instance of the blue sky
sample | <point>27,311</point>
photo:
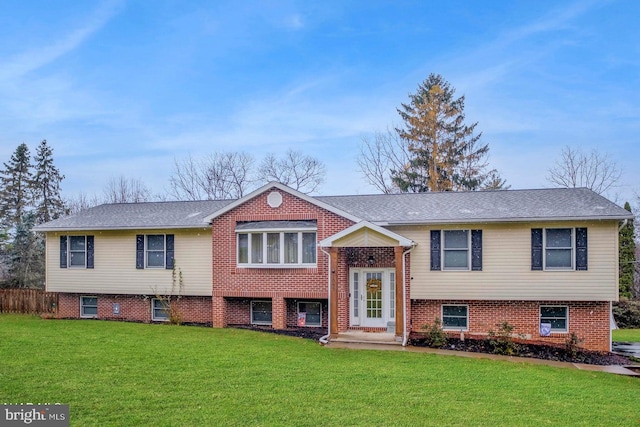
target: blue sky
<point>124,87</point>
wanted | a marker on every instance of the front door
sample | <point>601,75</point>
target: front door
<point>372,297</point>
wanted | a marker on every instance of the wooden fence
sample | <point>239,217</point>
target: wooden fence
<point>28,301</point>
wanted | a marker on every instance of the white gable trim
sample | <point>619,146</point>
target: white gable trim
<point>402,241</point>
<point>286,189</point>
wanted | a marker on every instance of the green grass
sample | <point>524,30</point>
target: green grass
<point>628,335</point>
<point>130,374</point>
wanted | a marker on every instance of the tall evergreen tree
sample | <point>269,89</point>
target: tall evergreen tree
<point>626,257</point>
<point>26,255</point>
<point>16,182</point>
<point>46,185</point>
<point>445,153</point>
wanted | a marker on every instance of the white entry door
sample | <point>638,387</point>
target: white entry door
<point>372,299</point>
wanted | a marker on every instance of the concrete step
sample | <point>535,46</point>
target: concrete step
<point>367,338</point>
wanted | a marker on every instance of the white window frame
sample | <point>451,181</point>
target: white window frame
<point>454,328</point>
<point>82,307</point>
<point>164,251</point>
<point>69,251</point>
<point>443,250</point>
<point>555,331</point>
<point>281,251</point>
<point>154,308</point>
<point>307,324</point>
<point>573,249</point>
<point>261,322</point>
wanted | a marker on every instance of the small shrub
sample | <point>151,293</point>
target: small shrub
<point>572,344</point>
<point>436,337</point>
<point>501,342</point>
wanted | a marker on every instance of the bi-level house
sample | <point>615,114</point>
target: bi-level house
<point>546,261</point>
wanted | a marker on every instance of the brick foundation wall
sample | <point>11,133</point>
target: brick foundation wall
<point>136,308</point>
<point>589,320</point>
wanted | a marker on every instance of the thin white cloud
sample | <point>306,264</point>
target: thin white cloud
<point>34,59</point>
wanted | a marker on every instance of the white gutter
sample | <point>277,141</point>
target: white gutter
<point>405,336</point>
<point>325,339</point>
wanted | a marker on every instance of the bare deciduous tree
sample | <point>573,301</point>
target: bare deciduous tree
<point>221,175</point>
<point>126,190</point>
<point>81,202</point>
<point>380,156</point>
<point>592,170</point>
<point>300,172</point>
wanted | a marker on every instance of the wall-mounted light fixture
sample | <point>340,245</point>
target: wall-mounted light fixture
<point>371,260</point>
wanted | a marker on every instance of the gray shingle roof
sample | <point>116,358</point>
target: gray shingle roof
<point>138,215</point>
<point>383,209</point>
<point>486,206</point>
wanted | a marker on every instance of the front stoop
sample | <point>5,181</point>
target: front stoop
<point>367,338</point>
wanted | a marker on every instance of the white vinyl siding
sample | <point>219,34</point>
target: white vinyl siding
<point>506,272</point>
<point>115,265</point>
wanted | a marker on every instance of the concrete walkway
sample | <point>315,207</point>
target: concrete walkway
<point>612,369</point>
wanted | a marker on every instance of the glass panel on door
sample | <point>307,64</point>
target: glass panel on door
<point>373,286</point>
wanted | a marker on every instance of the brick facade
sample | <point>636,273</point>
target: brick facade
<point>234,287</point>
<point>135,308</point>
<point>589,320</point>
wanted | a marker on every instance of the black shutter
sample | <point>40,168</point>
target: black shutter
<point>169,251</point>
<point>139,251</point>
<point>435,250</point>
<point>63,251</point>
<point>476,250</point>
<point>581,249</point>
<point>89,251</point>
<point>536,248</point>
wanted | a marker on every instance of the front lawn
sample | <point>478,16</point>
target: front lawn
<point>626,335</point>
<point>129,374</point>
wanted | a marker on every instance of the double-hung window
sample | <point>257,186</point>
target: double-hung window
<point>455,317</point>
<point>309,314</point>
<point>276,244</point>
<point>76,251</point>
<point>159,310</point>
<point>556,316</point>
<point>261,312</point>
<point>154,251</point>
<point>456,250</point>
<point>559,249</point>
<point>88,306</point>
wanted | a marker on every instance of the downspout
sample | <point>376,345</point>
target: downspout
<point>625,222</point>
<point>325,339</point>
<point>405,336</point>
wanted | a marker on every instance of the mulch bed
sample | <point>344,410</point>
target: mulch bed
<point>537,351</point>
